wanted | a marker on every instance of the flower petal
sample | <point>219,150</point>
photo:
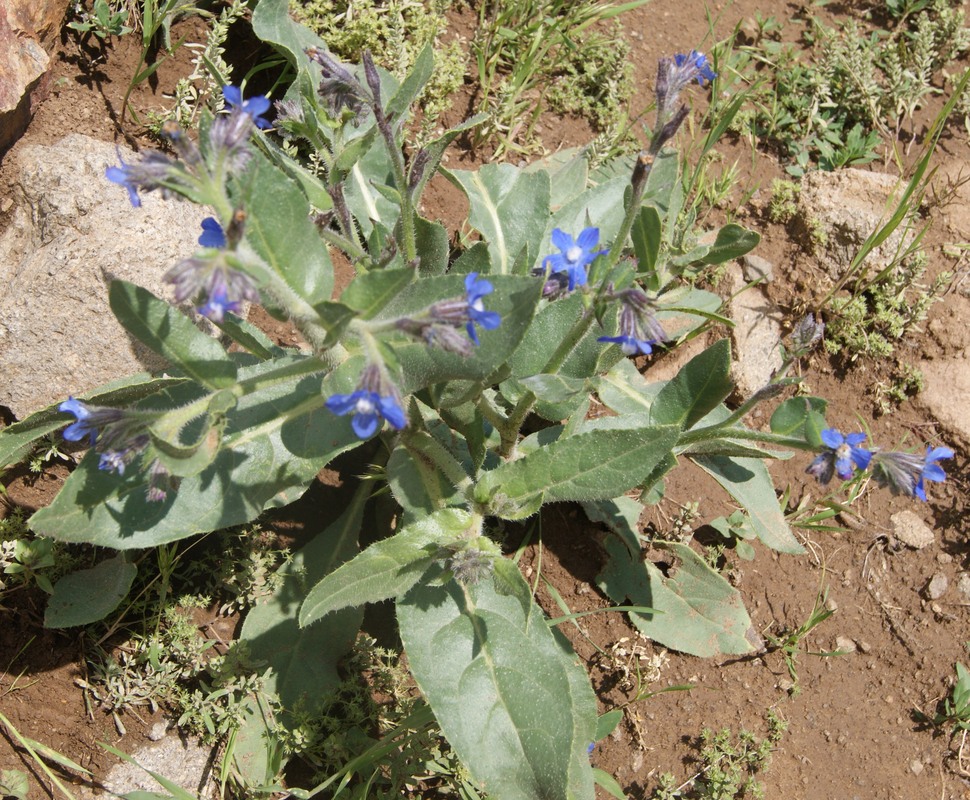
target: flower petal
<point>588,238</point>
<point>365,425</point>
<point>561,239</point>
<point>832,438</point>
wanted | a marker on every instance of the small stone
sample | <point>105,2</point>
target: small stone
<point>756,268</point>
<point>864,646</point>
<point>916,766</point>
<point>785,685</point>
<point>937,586</point>
<point>963,585</point>
<point>158,731</point>
<point>944,558</point>
<point>831,605</point>
<point>845,644</point>
<point>911,531</point>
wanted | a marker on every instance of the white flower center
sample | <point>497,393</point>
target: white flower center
<point>478,305</point>
<point>574,253</point>
<point>365,406</point>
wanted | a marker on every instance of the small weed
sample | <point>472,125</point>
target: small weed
<point>376,700</point>
<point>737,533</point>
<point>104,19</point>
<point>46,450</point>
<point>784,201</point>
<point>789,642</point>
<point>870,322</point>
<point>905,382</point>
<point>854,87</point>
<point>729,765</point>
<point>26,559</point>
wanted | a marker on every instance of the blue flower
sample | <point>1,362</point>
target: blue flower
<point>212,234</point>
<point>368,408</point>
<point>218,303</point>
<point>576,256</point>
<point>255,106</point>
<point>88,419</point>
<point>694,65</point>
<point>932,471</point>
<point>123,175</point>
<point>630,345</point>
<point>842,456</point>
<point>904,473</point>
<point>475,290</point>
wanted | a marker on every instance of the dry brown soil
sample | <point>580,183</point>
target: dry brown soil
<point>852,734</point>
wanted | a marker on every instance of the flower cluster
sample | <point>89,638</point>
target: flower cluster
<point>208,275</point>
<point>228,141</point>
<point>902,473</point>
<point>639,329</point>
<point>439,323</point>
<point>119,436</point>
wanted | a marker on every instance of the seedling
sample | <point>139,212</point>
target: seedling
<point>789,642</point>
<point>104,20</point>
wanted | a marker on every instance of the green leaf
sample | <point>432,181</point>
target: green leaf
<point>748,482</point>
<point>699,387</point>
<point>417,484</point>
<point>435,150</point>
<point>305,661</point>
<point>568,172</point>
<point>509,207</point>
<point>366,202</point>
<point>606,723</point>
<point>621,515</point>
<point>279,228</point>
<point>597,465</point>
<point>732,242</point>
<point>608,784</point>
<point>697,610</point>
<point>506,690</point>
<point>268,459</point>
<point>409,90</point>
<point>171,334</point>
<point>13,783</point>
<point>647,237</point>
<point>624,390</point>
<point>367,294</point>
<point>555,388</point>
<point>433,247</point>
<point>790,417</point>
<point>388,568</point>
<point>272,23</point>
<point>89,595</point>
<point>249,337</point>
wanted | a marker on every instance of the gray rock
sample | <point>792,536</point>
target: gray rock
<point>839,210</point>
<point>756,335</point>
<point>757,268</point>
<point>184,763</point>
<point>937,586</point>
<point>72,232</point>
<point>911,531</point>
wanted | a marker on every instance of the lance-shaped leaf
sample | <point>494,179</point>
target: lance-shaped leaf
<point>791,416</point>
<point>171,334</point>
<point>732,242</point>
<point>89,595</point>
<point>276,440</point>
<point>279,228</point>
<point>696,610</point>
<point>509,207</point>
<point>597,465</point>
<point>647,237</point>
<point>304,661</point>
<point>748,482</point>
<point>506,690</point>
<point>388,568</point>
<point>699,387</point>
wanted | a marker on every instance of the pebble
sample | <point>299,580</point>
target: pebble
<point>916,766</point>
<point>937,586</point>
<point>911,531</point>
<point>963,585</point>
<point>756,268</point>
<point>845,644</point>
<point>864,646</point>
<point>944,558</point>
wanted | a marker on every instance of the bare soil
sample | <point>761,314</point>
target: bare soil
<point>853,731</point>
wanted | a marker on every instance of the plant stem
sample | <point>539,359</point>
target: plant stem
<point>424,446</point>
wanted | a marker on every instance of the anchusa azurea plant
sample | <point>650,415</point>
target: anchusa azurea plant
<point>433,363</point>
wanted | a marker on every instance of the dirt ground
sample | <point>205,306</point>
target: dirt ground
<point>853,728</point>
